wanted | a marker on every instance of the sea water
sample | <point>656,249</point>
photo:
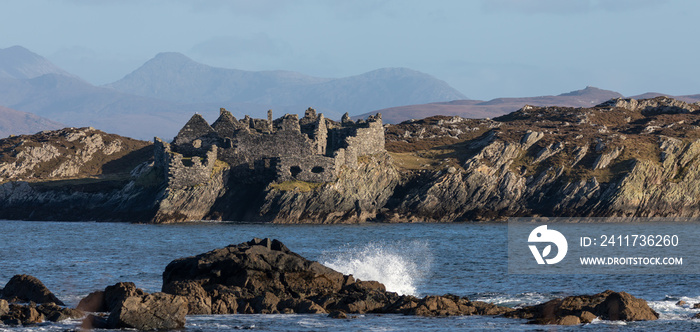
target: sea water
<point>465,259</point>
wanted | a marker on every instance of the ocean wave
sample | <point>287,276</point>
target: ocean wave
<point>401,266</point>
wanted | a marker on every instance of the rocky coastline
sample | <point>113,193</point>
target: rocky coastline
<point>623,158</point>
<point>263,276</point>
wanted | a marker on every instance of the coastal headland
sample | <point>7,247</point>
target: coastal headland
<point>622,158</point>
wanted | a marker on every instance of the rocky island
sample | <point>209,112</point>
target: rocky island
<point>624,158</point>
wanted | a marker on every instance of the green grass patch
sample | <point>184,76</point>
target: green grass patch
<point>219,166</point>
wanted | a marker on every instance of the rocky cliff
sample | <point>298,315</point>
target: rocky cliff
<point>625,157</point>
<point>622,158</point>
<point>75,174</point>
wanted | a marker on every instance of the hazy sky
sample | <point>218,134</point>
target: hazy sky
<point>484,48</point>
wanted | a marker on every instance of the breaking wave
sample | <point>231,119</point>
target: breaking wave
<point>401,266</point>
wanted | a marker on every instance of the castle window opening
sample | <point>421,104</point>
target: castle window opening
<point>317,169</point>
<point>295,170</point>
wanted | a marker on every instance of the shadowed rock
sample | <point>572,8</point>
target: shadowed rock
<point>94,302</point>
<point>25,288</point>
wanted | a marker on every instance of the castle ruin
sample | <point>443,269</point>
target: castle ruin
<point>310,149</point>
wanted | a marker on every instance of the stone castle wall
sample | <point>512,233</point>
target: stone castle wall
<point>180,171</point>
<point>310,149</point>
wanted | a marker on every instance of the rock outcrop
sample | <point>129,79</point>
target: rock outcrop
<point>131,307</point>
<point>574,310</point>
<point>158,311</point>
<point>264,276</point>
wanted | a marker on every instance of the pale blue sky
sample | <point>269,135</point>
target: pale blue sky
<point>484,48</point>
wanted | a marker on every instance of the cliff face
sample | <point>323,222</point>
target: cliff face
<point>75,174</point>
<point>625,158</point>
<point>356,196</point>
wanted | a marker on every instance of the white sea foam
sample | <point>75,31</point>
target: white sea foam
<point>668,310</point>
<point>516,301</point>
<point>400,266</point>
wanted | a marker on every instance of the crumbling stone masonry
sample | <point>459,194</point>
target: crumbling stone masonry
<point>180,171</point>
<point>310,149</point>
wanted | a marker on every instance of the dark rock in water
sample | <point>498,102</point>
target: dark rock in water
<point>25,288</point>
<point>259,275</point>
<point>56,313</point>
<point>338,314</point>
<point>451,305</point>
<point>110,298</point>
<point>94,302</point>
<point>623,306</point>
<point>264,276</point>
<point>608,305</point>
<point>22,315</point>
<point>131,307</point>
<point>158,311</point>
<point>199,302</point>
<point>696,306</point>
<point>681,303</point>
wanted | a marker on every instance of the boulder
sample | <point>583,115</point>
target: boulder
<point>157,311</point>
<point>250,277</point>
<point>623,306</point>
<point>109,298</point>
<point>25,288</point>
<point>608,305</point>
<point>116,294</point>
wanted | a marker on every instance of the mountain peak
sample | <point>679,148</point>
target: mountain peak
<point>20,63</point>
<point>591,91</point>
<point>171,57</point>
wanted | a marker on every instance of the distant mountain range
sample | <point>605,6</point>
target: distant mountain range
<point>176,78</point>
<point>479,109</point>
<point>18,62</point>
<point>157,98</point>
<point>162,94</point>
<point>13,122</point>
